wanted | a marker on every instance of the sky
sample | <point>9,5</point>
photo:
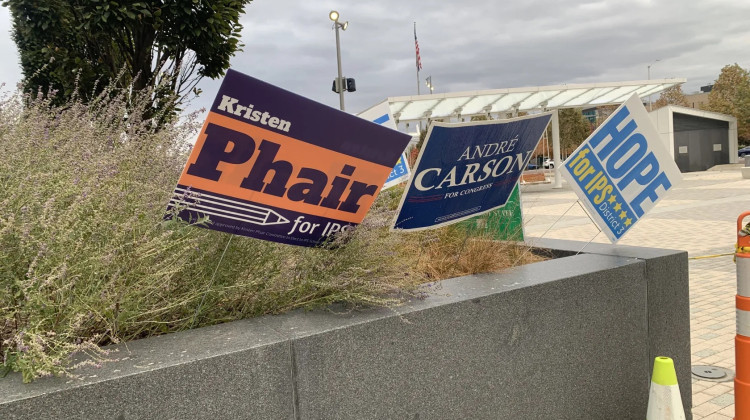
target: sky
<point>473,45</point>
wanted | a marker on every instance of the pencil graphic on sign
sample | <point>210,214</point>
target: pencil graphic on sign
<point>219,206</point>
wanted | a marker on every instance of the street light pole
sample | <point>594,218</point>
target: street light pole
<point>334,16</point>
<point>338,60</point>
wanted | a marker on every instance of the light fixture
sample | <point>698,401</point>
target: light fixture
<point>340,84</point>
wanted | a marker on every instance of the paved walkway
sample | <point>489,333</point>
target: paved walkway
<point>699,216</point>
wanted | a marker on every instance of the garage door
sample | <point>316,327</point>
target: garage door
<point>700,143</point>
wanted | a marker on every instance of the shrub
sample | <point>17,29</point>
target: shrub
<point>86,258</point>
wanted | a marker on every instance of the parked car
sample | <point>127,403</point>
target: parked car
<point>549,163</point>
<point>744,151</point>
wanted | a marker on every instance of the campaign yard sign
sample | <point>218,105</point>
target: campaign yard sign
<point>399,174</point>
<point>467,169</point>
<point>381,114</point>
<point>504,223</point>
<point>274,165</point>
<point>622,170</point>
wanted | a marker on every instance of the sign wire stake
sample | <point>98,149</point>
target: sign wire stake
<point>587,243</point>
<point>523,254</point>
<point>558,219</point>
<point>211,283</point>
<point>421,248</point>
<point>592,221</point>
<point>463,245</point>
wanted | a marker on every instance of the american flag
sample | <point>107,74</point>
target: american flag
<point>416,45</point>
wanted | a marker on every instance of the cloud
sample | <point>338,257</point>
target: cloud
<point>10,72</point>
<point>476,44</point>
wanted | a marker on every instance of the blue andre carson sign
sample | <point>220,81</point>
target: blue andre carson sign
<point>622,170</point>
<point>466,169</point>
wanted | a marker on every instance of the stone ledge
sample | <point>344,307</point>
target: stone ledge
<point>571,337</point>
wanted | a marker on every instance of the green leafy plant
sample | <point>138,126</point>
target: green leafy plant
<point>76,47</point>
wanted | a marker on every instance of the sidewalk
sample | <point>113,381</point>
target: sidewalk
<point>699,216</point>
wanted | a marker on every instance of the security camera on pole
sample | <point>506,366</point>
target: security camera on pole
<point>340,84</point>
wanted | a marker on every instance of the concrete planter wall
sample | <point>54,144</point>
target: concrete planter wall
<point>570,338</point>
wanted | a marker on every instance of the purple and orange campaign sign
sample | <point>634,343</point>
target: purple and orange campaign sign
<point>274,165</point>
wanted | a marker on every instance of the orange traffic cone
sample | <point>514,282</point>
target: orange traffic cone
<point>664,401</point>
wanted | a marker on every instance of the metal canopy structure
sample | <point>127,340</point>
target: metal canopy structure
<point>508,102</point>
<point>505,103</point>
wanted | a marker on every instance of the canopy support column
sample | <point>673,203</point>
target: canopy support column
<point>556,148</point>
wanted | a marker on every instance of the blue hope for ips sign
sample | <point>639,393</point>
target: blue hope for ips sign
<point>381,114</point>
<point>466,169</point>
<point>399,174</point>
<point>622,170</point>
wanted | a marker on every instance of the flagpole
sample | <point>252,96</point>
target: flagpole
<point>416,51</point>
<point>418,93</point>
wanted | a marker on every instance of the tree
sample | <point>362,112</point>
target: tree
<point>81,46</point>
<point>574,128</point>
<point>603,112</point>
<point>671,96</point>
<point>731,95</point>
